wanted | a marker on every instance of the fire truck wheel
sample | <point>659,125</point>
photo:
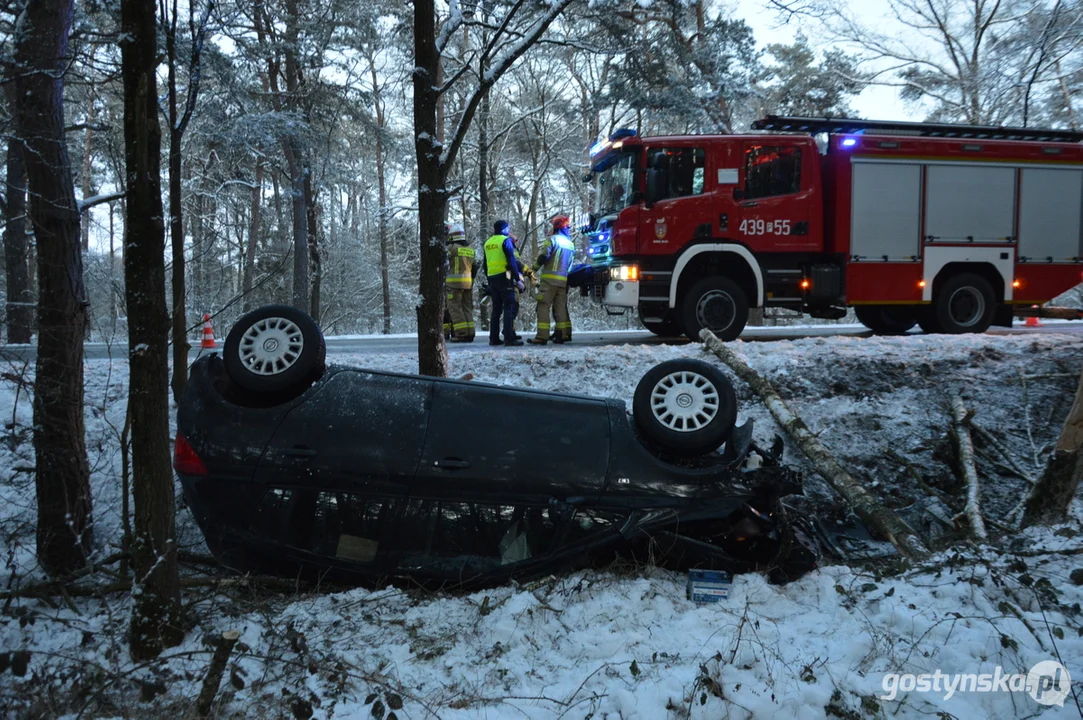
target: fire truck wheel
<point>927,320</point>
<point>718,304</point>
<point>886,319</point>
<point>965,304</point>
<point>274,350</point>
<point>687,407</point>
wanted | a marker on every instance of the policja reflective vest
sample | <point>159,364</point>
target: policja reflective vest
<point>496,262</point>
<point>556,259</point>
<point>461,273</point>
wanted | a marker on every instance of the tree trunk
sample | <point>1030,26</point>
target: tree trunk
<point>88,147</point>
<point>880,518</point>
<point>313,224</point>
<point>19,312</point>
<point>431,197</point>
<point>176,237</point>
<point>300,226</point>
<point>253,237</point>
<point>381,185</point>
<point>156,610</point>
<point>1050,497</point>
<point>62,478</point>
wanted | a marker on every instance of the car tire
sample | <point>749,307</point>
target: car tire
<point>275,350</point>
<point>718,304</point>
<point>964,304</point>
<point>685,407</point>
<point>886,319</point>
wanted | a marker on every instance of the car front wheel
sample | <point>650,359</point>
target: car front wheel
<point>686,407</point>
<point>274,349</point>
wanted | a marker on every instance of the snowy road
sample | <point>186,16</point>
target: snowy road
<point>364,344</point>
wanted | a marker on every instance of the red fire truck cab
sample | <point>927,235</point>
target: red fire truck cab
<point>944,226</point>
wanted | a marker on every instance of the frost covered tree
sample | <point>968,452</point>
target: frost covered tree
<point>795,83</point>
<point>688,64</point>
<point>967,61</point>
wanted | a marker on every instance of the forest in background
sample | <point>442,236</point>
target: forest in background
<point>288,136</point>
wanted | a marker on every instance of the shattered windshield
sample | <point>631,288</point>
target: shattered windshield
<point>616,183</point>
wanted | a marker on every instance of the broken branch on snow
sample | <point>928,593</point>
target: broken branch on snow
<point>964,447</point>
<point>880,518</point>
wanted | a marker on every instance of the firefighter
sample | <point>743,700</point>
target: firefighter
<point>460,278</point>
<point>554,262</point>
<point>505,276</point>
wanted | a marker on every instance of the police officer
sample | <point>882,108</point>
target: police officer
<point>505,276</point>
<point>555,261</point>
<point>460,278</point>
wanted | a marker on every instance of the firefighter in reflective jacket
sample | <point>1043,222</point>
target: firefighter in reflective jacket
<point>554,262</point>
<point>460,279</point>
<point>505,276</point>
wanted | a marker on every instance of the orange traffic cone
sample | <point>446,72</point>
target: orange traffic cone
<point>208,334</point>
<point>1032,321</point>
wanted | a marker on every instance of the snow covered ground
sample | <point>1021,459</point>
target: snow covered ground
<point>624,642</point>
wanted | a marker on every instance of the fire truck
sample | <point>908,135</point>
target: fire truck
<point>950,227</point>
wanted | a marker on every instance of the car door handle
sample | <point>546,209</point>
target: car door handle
<point>451,464</point>
<point>749,204</point>
<point>301,453</point>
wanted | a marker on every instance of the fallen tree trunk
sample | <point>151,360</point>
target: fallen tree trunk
<point>964,447</point>
<point>1048,500</point>
<point>880,518</point>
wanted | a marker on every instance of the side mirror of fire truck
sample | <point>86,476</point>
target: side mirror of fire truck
<point>656,184</point>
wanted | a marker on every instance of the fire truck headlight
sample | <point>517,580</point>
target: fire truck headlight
<point>628,272</point>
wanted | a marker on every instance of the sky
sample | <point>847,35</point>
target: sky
<point>876,102</point>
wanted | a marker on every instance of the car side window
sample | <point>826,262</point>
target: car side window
<point>345,526</point>
<point>772,170</point>
<point>473,537</point>
<point>685,169</point>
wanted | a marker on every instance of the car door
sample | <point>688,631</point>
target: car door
<point>363,431</point>
<point>338,468</point>
<point>486,440</point>
<point>775,207</point>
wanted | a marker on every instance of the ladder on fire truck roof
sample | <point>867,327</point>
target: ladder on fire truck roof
<point>884,127</point>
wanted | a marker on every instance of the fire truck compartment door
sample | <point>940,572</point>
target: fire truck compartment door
<point>1050,206</point>
<point>886,220</point>
<point>969,203</point>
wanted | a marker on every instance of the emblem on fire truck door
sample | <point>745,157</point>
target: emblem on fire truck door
<point>660,228</point>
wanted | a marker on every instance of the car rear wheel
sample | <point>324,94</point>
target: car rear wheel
<point>965,304</point>
<point>686,407</point>
<point>718,304</point>
<point>886,319</point>
<point>274,349</point>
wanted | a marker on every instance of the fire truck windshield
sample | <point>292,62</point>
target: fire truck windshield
<point>616,178</point>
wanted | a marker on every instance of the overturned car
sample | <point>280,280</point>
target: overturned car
<point>359,475</point>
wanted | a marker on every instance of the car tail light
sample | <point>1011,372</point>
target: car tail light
<point>185,459</point>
